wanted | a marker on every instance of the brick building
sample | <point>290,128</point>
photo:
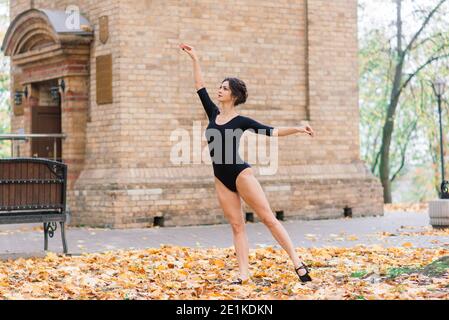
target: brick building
<point>127,86</point>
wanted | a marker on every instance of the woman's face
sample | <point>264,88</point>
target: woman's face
<point>224,92</point>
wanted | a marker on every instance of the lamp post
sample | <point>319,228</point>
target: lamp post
<point>18,96</point>
<point>438,88</point>
<point>54,91</point>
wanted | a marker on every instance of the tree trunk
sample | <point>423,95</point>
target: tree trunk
<point>397,88</point>
<point>384,166</point>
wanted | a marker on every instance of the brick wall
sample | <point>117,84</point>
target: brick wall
<point>128,178</point>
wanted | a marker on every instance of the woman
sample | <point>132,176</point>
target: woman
<point>235,179</point>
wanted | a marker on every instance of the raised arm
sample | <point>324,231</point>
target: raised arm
<point>198,77</point>
<point>199,83</point>
<point>206,101</point>
<point>208,104</point>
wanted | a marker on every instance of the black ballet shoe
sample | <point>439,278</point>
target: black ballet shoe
<point>305,277</point>
<point>239,281</point>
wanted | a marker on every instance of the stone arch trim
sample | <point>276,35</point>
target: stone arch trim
<point>30,36</point>
<point>34,29</point>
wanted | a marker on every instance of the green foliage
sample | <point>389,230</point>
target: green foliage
<point>414,149</point>
<point>437,268</point>
<point>394,272</point>
<point>359,274</point>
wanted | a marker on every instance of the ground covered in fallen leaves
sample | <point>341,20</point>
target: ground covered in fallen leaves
<point>407,207</point>
<point>172,272</point>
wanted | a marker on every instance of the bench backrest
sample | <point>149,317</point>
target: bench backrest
<point>32,184</point>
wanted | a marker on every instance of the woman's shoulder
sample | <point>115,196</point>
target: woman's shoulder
<point>244,118</point>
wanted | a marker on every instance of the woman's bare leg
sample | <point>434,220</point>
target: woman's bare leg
<point>252,193</point>
<point>232,208</point>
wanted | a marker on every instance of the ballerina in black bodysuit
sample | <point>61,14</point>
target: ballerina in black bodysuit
<point>228,172</point>
<point>233,176</point>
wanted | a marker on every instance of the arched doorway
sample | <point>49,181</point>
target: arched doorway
<point>44,53</point>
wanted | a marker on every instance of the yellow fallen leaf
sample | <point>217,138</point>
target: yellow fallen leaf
<point>50,257</point>
<point>218,263</point>
<point>137,269</point>
<point>183,272</point>
<point>337,272</point>
<point>259,274</point>
<point>407,244</point>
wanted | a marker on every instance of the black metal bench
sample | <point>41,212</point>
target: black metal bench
<point>33,190</point>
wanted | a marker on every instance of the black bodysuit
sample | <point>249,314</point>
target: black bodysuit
<point>227,166</point>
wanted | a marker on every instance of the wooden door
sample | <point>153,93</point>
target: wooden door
<point>46,118</point>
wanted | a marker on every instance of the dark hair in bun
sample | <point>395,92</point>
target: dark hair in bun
<point>238,89</point>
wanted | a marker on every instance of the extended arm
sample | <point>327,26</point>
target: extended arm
<point>257,127</point>
<point>260,128</point>
<point>286,131</point>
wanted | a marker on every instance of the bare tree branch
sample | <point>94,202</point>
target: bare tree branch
<point>429,61</point>
<point>430,39</point>
<point>404,149</point>
<point>425,23</point>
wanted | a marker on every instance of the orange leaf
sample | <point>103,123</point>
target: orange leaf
<point>218,263</point>
<point>407,244</point>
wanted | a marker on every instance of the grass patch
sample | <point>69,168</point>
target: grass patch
<point>437,268</point>
<point>359,274</point>
<point>394,272</point>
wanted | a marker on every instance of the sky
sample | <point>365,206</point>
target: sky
<point>383,12</point>
<point>377,12</point>
<point>4,7</point>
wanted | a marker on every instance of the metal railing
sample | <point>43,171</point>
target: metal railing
<point>26,137</point>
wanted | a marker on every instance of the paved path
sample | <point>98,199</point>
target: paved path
<point>27,239</point>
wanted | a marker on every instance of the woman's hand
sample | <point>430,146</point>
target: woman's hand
<point>307,129</point>
<point>190,51</point>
